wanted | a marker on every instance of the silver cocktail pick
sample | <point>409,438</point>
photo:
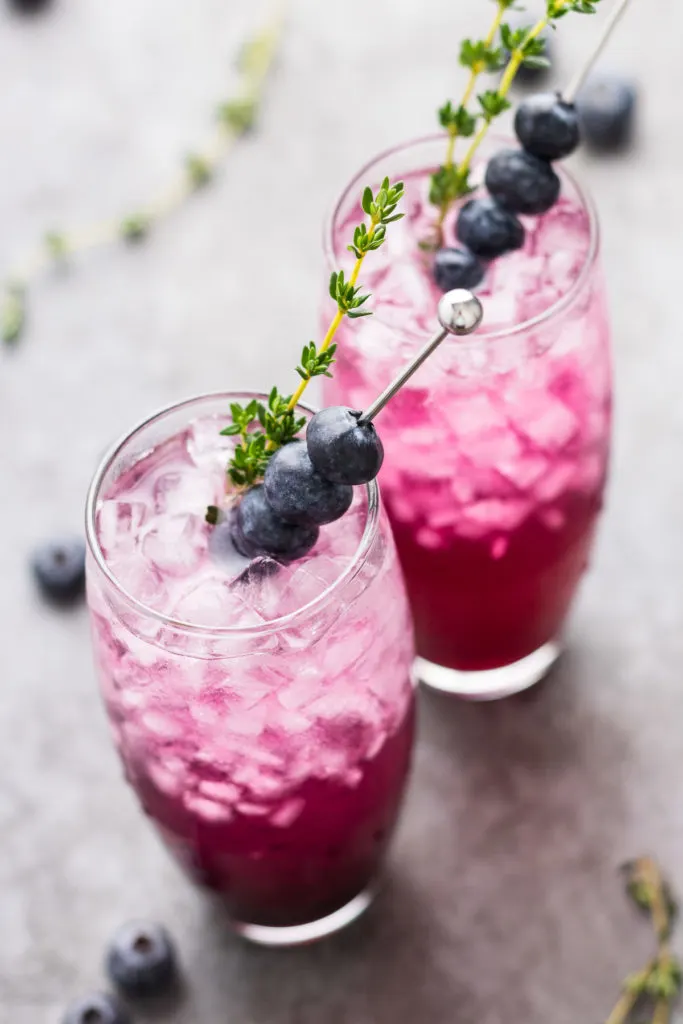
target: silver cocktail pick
<point>459,312</point>
<point>570,93</point>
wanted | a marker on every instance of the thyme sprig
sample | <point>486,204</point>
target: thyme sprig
<point>658,984</point>
<point>262,428</point>
<point>234,117</point>
<point>503,47</point>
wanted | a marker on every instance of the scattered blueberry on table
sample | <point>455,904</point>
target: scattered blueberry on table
<point>606,108</point>
<point>141,960</point>
<point>98,1008</point>
<point>29,6</point>
<point>59,569</point>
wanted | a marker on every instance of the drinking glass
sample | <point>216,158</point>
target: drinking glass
<point>263,712</point>
<point>497,450</point>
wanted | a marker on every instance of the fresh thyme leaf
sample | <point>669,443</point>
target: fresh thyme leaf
<point>12,313</point>
<point>492,104</point>
<point>503,47</point>
<point>458,120</point>
<point>56,244</point>
<point>238,115</point>
<point>135,228</point>
<point>199,170</point>
<point>481,56</point>
<point>263,428</point>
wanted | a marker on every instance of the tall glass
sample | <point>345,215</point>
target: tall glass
<point>263,713</point>
<point>497,450</point>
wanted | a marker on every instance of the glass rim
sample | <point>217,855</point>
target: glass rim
<point>262,629</point>
<point>553,310</point>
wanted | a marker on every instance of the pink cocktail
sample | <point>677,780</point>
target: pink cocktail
<point>497,450</point>
<point>264,713</point>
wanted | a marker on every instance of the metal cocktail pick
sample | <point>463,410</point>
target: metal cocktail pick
<point>460,312</point>
<point>570,93</point>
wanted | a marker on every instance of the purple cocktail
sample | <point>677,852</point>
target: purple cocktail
<point>497,451</point>
<point>263,712</point>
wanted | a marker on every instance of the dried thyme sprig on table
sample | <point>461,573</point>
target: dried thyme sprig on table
<point>234,118</point>
<point>502,47</point>
<point>658,984</point>
<point>265,427</point>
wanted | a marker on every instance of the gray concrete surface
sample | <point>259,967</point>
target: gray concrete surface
<point>503,903</point>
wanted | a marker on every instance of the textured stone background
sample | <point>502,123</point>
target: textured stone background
<point>503,904</point>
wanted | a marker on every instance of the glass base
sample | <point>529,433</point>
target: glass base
<point>493,683</point>
<point>301,934</point>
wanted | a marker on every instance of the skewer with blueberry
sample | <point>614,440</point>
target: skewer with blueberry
<point>519,181</point>
<point>309,483</point>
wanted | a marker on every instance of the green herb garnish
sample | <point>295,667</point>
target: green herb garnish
<point>658,984</point>
<point>265,427</point>
<point>235,116</point>
<point>503,47</point>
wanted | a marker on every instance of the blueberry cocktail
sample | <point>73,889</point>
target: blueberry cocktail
<point>496,455</point>
<point>253,640</point>
<point>263,710</point>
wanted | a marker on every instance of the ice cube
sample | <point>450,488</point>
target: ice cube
<point>492,514</point>
<point>474,414</point>
<point>165,726</point>
<point>211,601</point>
<point>176,544</point>
<point>524,471</point>
<point>180,493</point>
<point>287,813</point>
<point>548,423</point>
<point>209,810</point>
<point>142,581</point>
<point>429,539</point>
<point>349,721</point>
<point>499,548</point>
<point>222,792</point>
<point>564,229</point>
<point>119,524</point>
<point>553,518</point>
<point>559,478</point>
<point>168,775</point>
<point>205,445</point>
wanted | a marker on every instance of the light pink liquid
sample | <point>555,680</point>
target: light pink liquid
<point>497,449</point>
<point>272,758</point>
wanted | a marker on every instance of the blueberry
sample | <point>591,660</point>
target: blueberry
<point>547,127</point>
<point>342,449</point>
<point>257,530</point>
<point>141,959</point>
<point>521,182</point>
<point>298,493</point>
<point>606,107</point>
<point>59,569</point>
<point>457,268</point>
<point>98,1008</point>
<point>488,229</point>
<point>29,6</point>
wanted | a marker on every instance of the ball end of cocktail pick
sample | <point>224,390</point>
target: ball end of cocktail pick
<point>460,311</point>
